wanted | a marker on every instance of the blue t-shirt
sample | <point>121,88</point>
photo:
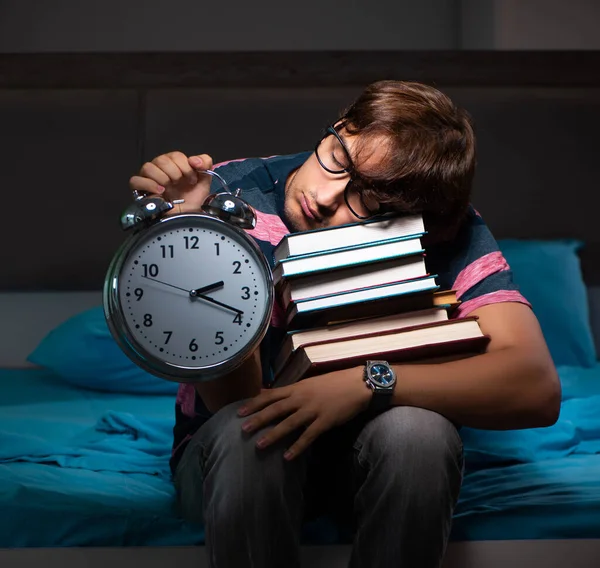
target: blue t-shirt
<point>471,264</point>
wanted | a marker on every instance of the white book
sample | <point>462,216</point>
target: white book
<point>374,301</point>
<point>353,277</point>
<point>348,256</point>
<point>351,234</point>
<point>366,294</point>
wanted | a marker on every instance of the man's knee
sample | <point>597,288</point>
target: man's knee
<point>233,452</point>
<point>411,435</point>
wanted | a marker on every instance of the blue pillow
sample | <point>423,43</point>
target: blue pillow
<point>548,274</point>
<point>82,351</point>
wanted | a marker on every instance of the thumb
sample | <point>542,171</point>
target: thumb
<point>201,162</point>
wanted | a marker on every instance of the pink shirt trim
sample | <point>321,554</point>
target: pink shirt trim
<point>186,397</point>
<point>478,270</point>
<point>215,166</point>
<point>465,308</point>
<point>269,228</point>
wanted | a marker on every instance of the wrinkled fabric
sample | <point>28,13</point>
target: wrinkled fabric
<point>85,468</point>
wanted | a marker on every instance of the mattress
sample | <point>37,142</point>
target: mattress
<point>550,499</point>
<point>85,468</point>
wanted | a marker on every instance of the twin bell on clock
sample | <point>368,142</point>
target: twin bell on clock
<point>188,297</point>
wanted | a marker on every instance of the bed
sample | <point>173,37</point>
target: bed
<point>84,475</point>
<point>83,478</point>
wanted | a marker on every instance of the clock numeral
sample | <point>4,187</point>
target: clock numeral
<point>246,294</point>
<point>193,345</point>
<point>219,338</point>
<point>148,320</point>
<point>217,247</point>
<point>191,242</point>
<point>237,265</point>
<point>167,250</point>
<point>238,319</point>
<point>138,293</point>
<point>150,270</point>
<point>168,334</point>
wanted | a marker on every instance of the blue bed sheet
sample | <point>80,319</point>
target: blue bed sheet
<point>550,499</point>
<point>85,468</point>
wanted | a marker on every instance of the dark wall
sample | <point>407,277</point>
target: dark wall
<point>67,153</point>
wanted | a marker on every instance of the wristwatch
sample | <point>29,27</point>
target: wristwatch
<point>381,379</point>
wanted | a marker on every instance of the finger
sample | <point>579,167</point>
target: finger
<point>169,167</point>
<point>156,174</point>
<point>201,162</point>
<point>307,437</point>
<point>183,163</point>
<point>268,414</point>
<point>146,185</point>
<point>292,423</point>
<point>266,397</point>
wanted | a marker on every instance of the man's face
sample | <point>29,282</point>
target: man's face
<point>314,197</point>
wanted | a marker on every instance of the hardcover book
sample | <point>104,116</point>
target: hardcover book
<point>351,234</point>
<point>409,295</point>
<point>451,339</point>
<point>352,278</point>
<point>360,327</point>
<point>347,256</point>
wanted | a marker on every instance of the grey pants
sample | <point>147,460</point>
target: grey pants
<point>394,477</point>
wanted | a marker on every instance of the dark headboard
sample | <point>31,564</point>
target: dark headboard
<point>70,144</point>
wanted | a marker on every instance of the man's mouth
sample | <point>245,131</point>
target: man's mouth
<point>308,211</point>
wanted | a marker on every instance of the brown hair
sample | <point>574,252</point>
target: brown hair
<point>431,155</point>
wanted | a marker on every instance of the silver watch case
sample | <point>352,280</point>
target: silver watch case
<point>379,376</point>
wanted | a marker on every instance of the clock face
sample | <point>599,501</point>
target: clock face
<point>193,292</point>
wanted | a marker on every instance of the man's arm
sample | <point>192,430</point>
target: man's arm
<point>513,385</point>
<point>243,382</point>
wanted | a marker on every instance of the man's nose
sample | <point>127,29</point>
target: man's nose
<point>331,195</point>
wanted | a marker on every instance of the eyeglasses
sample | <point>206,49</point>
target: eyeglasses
<point>334,157</point>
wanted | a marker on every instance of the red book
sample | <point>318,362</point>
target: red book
<point>445,340</point>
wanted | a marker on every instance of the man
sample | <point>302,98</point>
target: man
<point>254,462</point>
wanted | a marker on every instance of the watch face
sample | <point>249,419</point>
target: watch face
<point>381,375</point>
<point>194,292</point>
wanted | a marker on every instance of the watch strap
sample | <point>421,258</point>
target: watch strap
<point>380,400</point>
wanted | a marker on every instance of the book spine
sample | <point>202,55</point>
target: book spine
<point>442,352</point>
<point>348,291</point>
<point>282,250</point>
<point>415,226</point>
<point>394,330</point>
<point>360,246</point>
<point>417,300</point>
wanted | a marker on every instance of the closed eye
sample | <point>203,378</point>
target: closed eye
<point>337,162</point>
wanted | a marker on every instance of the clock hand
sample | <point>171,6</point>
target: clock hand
<point>208,288</point>
<point>213,301</point>
<point>196,295</point>
<point>165,283</point>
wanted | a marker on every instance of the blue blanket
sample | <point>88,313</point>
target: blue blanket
<point>84,468</point>
<point>119,441</point>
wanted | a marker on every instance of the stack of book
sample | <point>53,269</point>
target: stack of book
<point>362,291</point>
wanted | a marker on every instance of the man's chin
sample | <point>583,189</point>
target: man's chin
<point>296,221</point>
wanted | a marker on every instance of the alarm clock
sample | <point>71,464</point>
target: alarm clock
<point>189,297</point>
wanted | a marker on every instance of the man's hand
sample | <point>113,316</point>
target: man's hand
<point>175,176</point>
<point>315,404</point>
